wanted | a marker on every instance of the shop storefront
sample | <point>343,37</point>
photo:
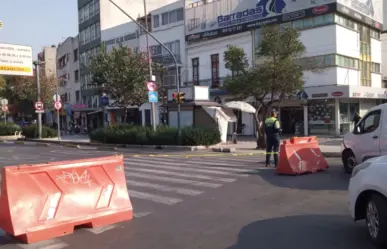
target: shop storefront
<point>329,110</point>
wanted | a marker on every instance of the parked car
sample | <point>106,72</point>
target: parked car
<point>368,198</point>
<point>367,140</point>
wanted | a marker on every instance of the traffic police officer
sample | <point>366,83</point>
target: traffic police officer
<point>272,131</point>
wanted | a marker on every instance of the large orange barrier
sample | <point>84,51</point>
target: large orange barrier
<point>300,155</point>
<point>44,201</point>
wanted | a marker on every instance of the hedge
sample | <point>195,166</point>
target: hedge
<point>9,129</point>
<point>164,135</point>
<point>31,131</point>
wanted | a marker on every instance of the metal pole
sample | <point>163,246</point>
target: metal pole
<point>39,100</point>
<point>5,117</point>
<point>153,106</point>
<point>57,111</point>
<point>166,48</point>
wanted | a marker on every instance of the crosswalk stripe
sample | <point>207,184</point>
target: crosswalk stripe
<point>154,198</point>
<point>141,214</point>
<point>197,164</point>
<point>47,244</point>
<point>100,230</point>
<point>187,169</point>
<point>164,188</point>
<point>170,173</point>
<point>172,180</point>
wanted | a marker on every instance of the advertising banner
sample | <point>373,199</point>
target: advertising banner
<point>219,18</point>
<point>15,60</point>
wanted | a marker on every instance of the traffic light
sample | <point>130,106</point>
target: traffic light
<point>175,97</point>
<point>181,97</point>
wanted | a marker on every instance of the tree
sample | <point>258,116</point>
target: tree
<point>123,73</point>
<point>278,75</point>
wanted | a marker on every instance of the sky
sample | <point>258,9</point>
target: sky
<point>38,23</point>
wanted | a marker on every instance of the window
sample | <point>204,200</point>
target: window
<point>344,61</point>
<point>172,16</point>
<point>164,18</point>
<point>92,32</point>
<point>97,30</point>
<point>215,70</point>
<point>81,15</point>
<point>180,14</point>
<point>375,34</point>
<point>308,23</point>
<point>369,124</point>
<point>329,60</point>
<point>156,50</point>
<point>91,9</point>
<point>77,96</point>
<point>156,21</point>
<point>96,6</point>
<point>375,67</point>
<point>87,35</point>
<point>195,71</point>
<point>76,75</point>
<point>299,24</point>
<point>193,24</point>
<point>75,54</point>
<point>82,37</point>
<point>86,12</point>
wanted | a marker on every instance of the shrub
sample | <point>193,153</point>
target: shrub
<point>200,136</point>
<point>31,131</point>
<point>9,129</point>
<point>164,135</point>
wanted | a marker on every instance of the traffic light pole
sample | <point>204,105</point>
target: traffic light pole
<point>168,50</point>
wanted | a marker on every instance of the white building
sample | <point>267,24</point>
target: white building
<point>342,37</point>
<point>67,71</point>
<point>167,25</point>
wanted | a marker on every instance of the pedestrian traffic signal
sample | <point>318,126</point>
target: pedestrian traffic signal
<point>181,97</point>
<point>175,97</point>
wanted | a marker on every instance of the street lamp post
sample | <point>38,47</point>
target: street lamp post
<point>36,63</point>
<point>167,49</point>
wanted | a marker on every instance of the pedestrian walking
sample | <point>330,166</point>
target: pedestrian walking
<point>272,131</point>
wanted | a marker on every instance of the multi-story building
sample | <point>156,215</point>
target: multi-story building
<point>47,59</point>
<point>101,19</point>
<point>67,58</point>
<point>342,37</point>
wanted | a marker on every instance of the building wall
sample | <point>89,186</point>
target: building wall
<point>204,49</point>
<point>49,61</point>
<point>67,73</point>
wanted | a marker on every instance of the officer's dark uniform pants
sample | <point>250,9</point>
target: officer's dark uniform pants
<point>272,147</point>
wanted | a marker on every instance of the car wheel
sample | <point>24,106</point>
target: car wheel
<point>349,161</point>
<point>376,220</point>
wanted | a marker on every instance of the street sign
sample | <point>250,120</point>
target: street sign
<point>39,106</point>
<point>4,101</point>
<point>56,97</point>
<point>57,105</point>
<point>4,108</point>
<point>151,86</point>
<point>153,97</point>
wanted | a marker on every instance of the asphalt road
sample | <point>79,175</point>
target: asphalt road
<point>211,202</point>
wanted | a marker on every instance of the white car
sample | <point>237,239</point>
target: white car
<point>368,197</point>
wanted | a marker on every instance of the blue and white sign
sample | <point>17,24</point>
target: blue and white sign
<point>104,100</point>
<point>153,97</point>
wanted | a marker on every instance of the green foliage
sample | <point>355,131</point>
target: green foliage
<point>164,135</point>
<point>123,74</point>
<point>9,129</point>
<point>31,131</point>
<point>278,74</point>
<point>200,136</point>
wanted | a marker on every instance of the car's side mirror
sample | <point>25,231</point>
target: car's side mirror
<point>356,130</point>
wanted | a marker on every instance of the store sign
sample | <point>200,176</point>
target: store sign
<point>203,21</point>
<point>383,95</point>
<point>369,95</point>
<point>319,95</point>
<point>337,94</point>
<point>369,11</point>
<point>355,94</point>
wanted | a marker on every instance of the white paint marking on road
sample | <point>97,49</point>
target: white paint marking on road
<point>186,169</point>
<point>154,198</point>
<point>170,173</point>
<point>172,180</point>
<point>196,164</point>
<point>99,230</point>
<point>141,214</point>
<point>48,244</point>
<point>183,191</point>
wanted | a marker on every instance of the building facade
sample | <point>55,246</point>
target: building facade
<point>167,25</point>
<point>342,38</point>
<point>67,58</point>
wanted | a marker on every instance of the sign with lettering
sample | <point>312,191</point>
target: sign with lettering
<point>319,95</point>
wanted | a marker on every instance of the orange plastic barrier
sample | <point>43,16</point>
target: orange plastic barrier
<point>44,201</point>
<point>300,155</point>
